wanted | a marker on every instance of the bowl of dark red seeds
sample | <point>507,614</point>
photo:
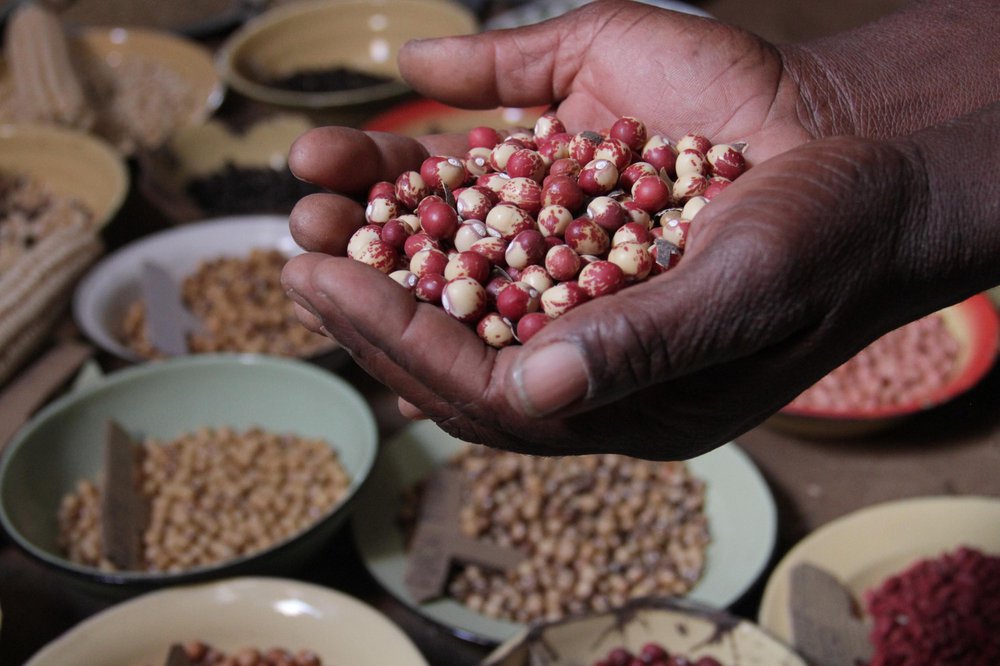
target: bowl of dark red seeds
<point>647,632</point>
<point>322,55</point>
<point>913,368</point>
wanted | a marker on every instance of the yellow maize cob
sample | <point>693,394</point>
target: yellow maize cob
<point>46,86</point>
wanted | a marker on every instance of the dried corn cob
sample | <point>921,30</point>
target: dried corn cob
<point>43,280</point>
<point>46,87</point>
<point>18,351</point>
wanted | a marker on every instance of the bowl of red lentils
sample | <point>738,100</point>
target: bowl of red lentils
<point>916,367</point>
<point>190,469</point>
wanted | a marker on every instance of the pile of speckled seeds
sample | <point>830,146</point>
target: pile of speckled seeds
<point>215,494</point>
<point>530,224</point>
<point>596,530</point>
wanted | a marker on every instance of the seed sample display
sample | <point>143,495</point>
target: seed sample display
<point>242,189</point>
<point>326,80</point>
<point>902,367</point>
<point>242,308</point>
<point>214,494</point>
<point>652,654</point>
<point>596,531</point>
<point>942,611</point>
<point>30,212</point>
<point>555,219</point>
<point>200,653</point>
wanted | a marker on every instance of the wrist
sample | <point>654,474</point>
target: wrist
<point>953,205</point>
<point>922,65</point>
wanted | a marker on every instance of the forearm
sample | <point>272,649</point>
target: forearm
<point>954,247</point>
<point>931,61</point>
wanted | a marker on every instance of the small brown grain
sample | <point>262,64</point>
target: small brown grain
<point>242,306</point>
<point>215,494</point>
<point>597,531</point>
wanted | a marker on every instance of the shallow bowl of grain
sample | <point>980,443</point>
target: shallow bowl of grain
<point>691,633</point>
<point>65,444</point>
<point>105,299</point>
<point>212,169</point>
<point>362,36</point>
<point>973,326</point>
<point>70,163</point>
<point>142,85</point>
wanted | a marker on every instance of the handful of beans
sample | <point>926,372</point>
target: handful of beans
<point>529,224</point>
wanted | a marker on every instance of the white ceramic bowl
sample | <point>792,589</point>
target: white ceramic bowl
<point>104,295</point>
<point>232,614</point>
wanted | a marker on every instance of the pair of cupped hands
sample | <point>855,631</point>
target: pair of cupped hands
<point>787,273</point>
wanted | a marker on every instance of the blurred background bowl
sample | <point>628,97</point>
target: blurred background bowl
<point>975,326</point>
<point>234,614</point>
<point>70,163</point>
<point>249,169</point>
<point>109,60</point>
<point>63,444</point>
<point>105,294</point>
<point>361,35</point>
<point>682,628</point>
<point>70,169</point>
<point>193,18</point>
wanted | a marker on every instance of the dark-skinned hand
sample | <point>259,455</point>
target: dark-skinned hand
<point>784,277</point>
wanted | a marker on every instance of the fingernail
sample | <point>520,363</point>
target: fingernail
<point>550,379</point>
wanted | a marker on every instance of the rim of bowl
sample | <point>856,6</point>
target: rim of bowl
<point>983,323</point>
<point>230,72</point>
<point>140,373</point>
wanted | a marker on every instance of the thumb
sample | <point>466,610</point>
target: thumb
<point>521,67</point>
<point>719,306</point>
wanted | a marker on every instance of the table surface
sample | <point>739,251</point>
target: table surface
<point>952,450</point>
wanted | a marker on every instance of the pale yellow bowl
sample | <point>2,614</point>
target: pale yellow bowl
<point>364,35</point>
<point>189,59</point>
<point>70,163</point>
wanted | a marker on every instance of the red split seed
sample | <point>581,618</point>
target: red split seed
<point>530,324</point>
<point>601,278</point>
<point>518,299</point>
<point>429,288</point>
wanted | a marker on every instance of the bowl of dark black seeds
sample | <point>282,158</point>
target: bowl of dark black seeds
<point>213,170</point>
<point>323,55</point>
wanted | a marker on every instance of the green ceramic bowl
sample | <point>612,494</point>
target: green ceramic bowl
<point>64,444</point>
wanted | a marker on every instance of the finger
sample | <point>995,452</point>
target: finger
<point>350,161</point>
<point>308,319</point>
<point>525,67</point>
<point>411,411</point>
<point>298,278</point>
<point>325,222</point>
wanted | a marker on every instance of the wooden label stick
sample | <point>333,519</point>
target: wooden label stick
<point>124,509</point>
<point>438,542</point>
<point>825,628</point>
<point>169,322</point>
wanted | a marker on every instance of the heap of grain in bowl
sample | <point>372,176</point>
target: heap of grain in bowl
<point>597,531</point>
<point>200,653</point>
<point>903,367</point>
<point>214,494</point>
<point>242,308</point>
<point>132,101</point>
<point>31,212</point>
